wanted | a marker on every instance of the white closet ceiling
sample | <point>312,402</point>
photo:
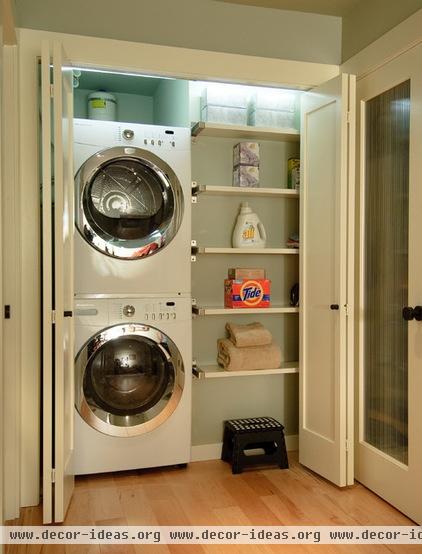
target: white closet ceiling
<point>325,7</point>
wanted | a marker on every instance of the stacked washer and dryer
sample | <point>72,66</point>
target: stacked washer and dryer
<point>133,350</point>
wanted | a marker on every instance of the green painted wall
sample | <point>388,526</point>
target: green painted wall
<point>213,219</point>
<point>171,103</point>
<point>370,19</point>
<point>198,24</point>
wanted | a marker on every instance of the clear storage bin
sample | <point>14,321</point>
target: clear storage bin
<point>272,118</point>
<point>225,96</point>
<point>279,100</point>
<point>220,114</point>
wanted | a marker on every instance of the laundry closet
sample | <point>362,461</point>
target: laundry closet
<point>309,399</point>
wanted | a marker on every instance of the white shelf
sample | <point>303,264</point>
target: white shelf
<point>216,372</point>
<point>272,251</point>
<point>215,310</point>
<point>244,131</point>
<point>246,191</point>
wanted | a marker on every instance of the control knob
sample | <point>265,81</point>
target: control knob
<point>128,134</point>
<point>129,310</point>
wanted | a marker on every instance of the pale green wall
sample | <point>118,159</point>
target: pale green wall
<point>198,24</point>
<point>213,219</point>
<point>372,18</point>
<point>171,103</point>
<point>215,400</point>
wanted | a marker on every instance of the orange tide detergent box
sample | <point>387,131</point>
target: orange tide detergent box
<point>247,293</point>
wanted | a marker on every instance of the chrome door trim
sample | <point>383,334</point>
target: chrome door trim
<point>112,246</point>
<point>131,425</point>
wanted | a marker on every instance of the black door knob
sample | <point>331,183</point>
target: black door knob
<point>408,313</point>
<point>334,307</point>
<point>417,312</point>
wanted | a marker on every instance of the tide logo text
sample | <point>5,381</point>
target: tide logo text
<point>251,292</point>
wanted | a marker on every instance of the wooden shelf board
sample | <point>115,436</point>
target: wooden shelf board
<point>215,310</point>
<point>272,251</point>
<point>216,372</point>
<point>247,191</point>
<point>244,131</point>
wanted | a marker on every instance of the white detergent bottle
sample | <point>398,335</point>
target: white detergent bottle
<point>248,231</point>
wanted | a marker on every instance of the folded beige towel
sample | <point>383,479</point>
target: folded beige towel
<point>252,334</point>
<point>250,357</point>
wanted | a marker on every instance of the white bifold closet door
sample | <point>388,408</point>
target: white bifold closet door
<point>326,277</point>
<point>57,227</point>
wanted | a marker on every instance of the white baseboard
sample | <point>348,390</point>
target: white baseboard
<point>203,452</point>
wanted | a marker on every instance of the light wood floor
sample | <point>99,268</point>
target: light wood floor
<point>206,493</point>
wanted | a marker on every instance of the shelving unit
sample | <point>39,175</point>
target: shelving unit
<point>244,191</point>
<point>222,130</point>
<point>212,310</point>
<point>217,372</point>
<point>217,140</point>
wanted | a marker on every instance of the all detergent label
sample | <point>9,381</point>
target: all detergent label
<point>248,233</point>
<point>247,293</point>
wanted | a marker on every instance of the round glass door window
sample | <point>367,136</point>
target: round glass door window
<point>129,202</point>
<point>129,379</point>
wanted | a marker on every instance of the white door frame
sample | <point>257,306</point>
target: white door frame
<point>1,288</point>
<point>10,267</point>
<point>11,288</point>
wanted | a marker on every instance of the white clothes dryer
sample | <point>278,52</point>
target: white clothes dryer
<point>132,208</point>
<point>133,377</point>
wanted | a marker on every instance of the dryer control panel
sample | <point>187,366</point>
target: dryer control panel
<point>154,138</point>
<point>108,311</point>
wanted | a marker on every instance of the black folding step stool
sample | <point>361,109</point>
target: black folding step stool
<point>255,432</point>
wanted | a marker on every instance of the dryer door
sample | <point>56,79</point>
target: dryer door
<point>129,202</point>
<point>128,379</point>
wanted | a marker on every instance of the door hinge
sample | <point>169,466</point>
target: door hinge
<point>194,250</point>
<point>7,311</point>
<point>51,91</point>
<point>346,309</point>
<point>53,475</point>
<point>53,316</point>
<point>348,116</point>
<point>194,190</point>
<point>348,445</point>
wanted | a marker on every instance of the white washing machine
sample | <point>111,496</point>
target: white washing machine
<point>132,208</point>
<point>133,377</point>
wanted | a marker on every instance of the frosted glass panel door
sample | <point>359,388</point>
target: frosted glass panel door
<point>387,121</point>
<point>389,449</point>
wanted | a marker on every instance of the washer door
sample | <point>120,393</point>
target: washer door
<point>128,380</point>
<point>129,202</point>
